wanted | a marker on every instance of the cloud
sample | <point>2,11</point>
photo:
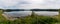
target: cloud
<point>30,4</point>
<point>9,2</point>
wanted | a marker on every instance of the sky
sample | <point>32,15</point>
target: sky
<point>29,4</point>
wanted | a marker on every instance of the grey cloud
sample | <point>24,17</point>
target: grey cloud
<point>27,4</point>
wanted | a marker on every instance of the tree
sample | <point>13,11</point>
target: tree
<point>32,14</point>
<point>59,11</point>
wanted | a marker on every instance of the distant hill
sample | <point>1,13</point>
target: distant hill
<point>31,10</point>
<point>44,9</point>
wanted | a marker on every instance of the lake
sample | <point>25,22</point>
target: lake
<point>25,13</point>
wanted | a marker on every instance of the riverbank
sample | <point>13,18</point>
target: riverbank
<point>31,19</point>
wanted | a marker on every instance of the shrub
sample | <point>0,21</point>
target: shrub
<point>36,20</point>
<point>46,20</point>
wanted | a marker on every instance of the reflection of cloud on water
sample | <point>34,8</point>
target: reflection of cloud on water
<point>19,13</point>
<point>25,13</point>
<point>47,13</point>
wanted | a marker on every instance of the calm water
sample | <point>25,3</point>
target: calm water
<point>25,13</point>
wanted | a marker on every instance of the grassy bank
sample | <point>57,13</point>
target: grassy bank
<point>33,19</point>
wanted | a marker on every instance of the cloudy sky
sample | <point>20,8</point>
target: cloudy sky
<point>30,4</point>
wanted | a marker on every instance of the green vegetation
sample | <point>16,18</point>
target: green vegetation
<point>1,17</point>
<point>33,19</point>
<point>30,20</point>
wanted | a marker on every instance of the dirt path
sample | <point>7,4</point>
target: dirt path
<point>5,16</point>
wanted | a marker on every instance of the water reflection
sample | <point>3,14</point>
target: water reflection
<point>25,13</point>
